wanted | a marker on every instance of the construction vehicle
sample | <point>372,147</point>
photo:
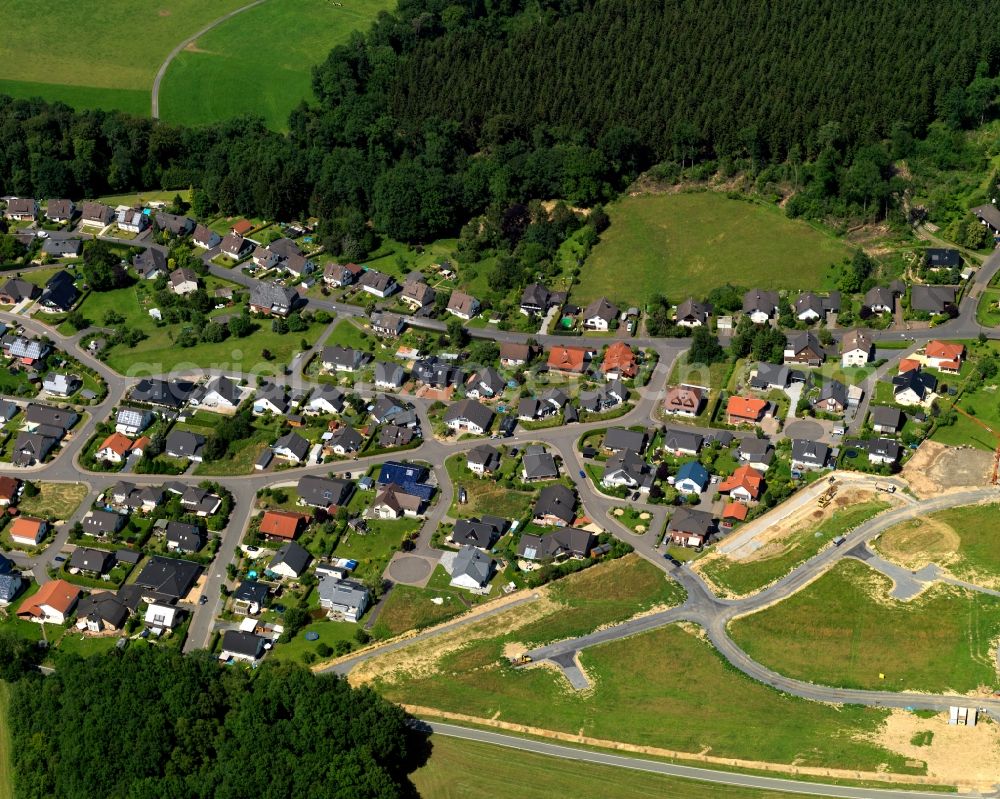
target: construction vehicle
<point>520,660</point>
<point>827,496</point>
<point>888,488</point>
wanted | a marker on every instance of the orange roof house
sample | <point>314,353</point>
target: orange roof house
<point>745,410</point>
<point>745,484</point>
<point>619,359</point>
<point>282,524</point>
<point>241,227</point>
<point>568,359</point>
<point>908,365</point>
<point>27,530</point>
<point>52,603</point>
<point>117,444</point>
<point>944,355</point>
<point>735,511</point>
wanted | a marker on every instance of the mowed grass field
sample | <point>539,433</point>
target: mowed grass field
<point>460,769</point>
<point>845,630</point>
<point>93,54</point>
<point>687,244</point>
<point>963,540</point>
<point>260,61</point>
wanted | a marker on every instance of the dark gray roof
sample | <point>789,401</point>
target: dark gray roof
<point>187,537</point>
<point>167,393</point>
<point>294,443</point>
<point>169,577</point>
<point>757,300</point>
<point>687,520</point>
<point>770,374</point>
<point>485,455</point>
<point>539,464</point>
<point>184,443</point>
<point>100,522</point>
<point>470,410</point>
<point>835,390</point>
<point>92,560</point>
<point>322,492</point>
<point>558,501</point>
<point>561,541</point>
<point>292,555</point>
<point>682,440</point>
<point>243,643</point>
<point>813,452</point>
<point>104,606</point>
<point>932,299</point>
<point>884,416</point>
<point>36,414</point>
<point>922,383</point>
<point>937,257</point>
<point>251,591</point>
<point>476,533</point>
<point>620,438</point>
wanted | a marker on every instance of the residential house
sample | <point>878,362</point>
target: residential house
<point>10,582</point>
<point>160,617</point>
<point>60,385</point>
<point>471,569</point>
<point>437,373</point>
<point>617,439</point>
<point>56,420</point>
<point>291,560</point>
<point>185,444</point>
<point>758,452</point>
<point>8,492</point>
<point>690,528</point>
<point>409,476</point>
<point>324,492</point>
<point>235,247</point>
<point>183,281</point>
<point>114,449</point>
<point>345,440</point>
<point>809,455</point>
<point>568,360</point>
<point>132,220</point>
<point>132,421</point>
<point>395,436</point>
<point>416,293</point>
<point>883,451</point>
<point>285,525</point>
<point>619,362</point>
<point>856,348</point>
<point>760,306</point>
<point>341,275</point>
<point>481,534</point>
<point>810,307</point>
<point>691,313</point>
<point>101,612</point>
<point>387,324</point>
<point>600,315</point>
<point>327,399</point>
<point>468,416</point>
<point>343,599</point>
<point>880,299</point>
<point>21,209</point>
<point>170,394</point>
<point>538,464</point>
<point>60,292</point>
<point>604,398</point>
<point>378,283</point>
<point>933,299</point>
<point>291,447</point>
<point>31,448</point>
<point>28,531</point>
<point>804,348</point>
<point>27,351</point>
<point>627,469</point>
<point>249,597</point>
<point>184,538</point>
<point>914,387</point>
<point>390,409</point>
<point>833,397</point>
<point>8,410</point>
<point>770,376</point>
<point>513,355</point>
<point>205,237</point>
<point>271,299</point>
<point>485,384</point>
<point>96,215</point>
<point>174,224</point>
<point>270,398</point>
<point>150,264</point>
<point>691,478</point>
<point>745,410</point>
<point>945,356</point>
<point>565,542</point>
<point>102,523</point>
<point>221,393</point>
<point>886,420</point>
<point>988,215</point>
<point>395,502</point>
<point>62,248</point>
<point>53,603</point>
<point>342,359</point>
<point>16,290</point>
<point>942,258</point>
<point>245,647</point>
<point>199,501</point>
<point>745,484</point>
<point>555,506</point>
<point>682,442</point>
<point>463,305</point>
<point>483,459</point>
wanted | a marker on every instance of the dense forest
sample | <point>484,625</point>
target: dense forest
<point>153,724</point>
<point>444,111</point>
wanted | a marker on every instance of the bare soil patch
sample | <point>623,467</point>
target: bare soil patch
<point>936,468</point>
<point>920,542</point>
<point>968,757</point>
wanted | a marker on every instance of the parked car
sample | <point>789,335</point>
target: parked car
<point>583,474</point>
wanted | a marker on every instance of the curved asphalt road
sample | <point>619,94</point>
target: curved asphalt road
<point>176,51</point>
<point>671,769</point>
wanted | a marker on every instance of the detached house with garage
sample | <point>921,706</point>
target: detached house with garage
<point>745,410</point>
<point>463,305</point>
<point>760,306</point>
<point>600,315</point>
<point>804,348</point>
<point>235,247</point>
<point>21,209</point>
<point>378,284</point>
<point>745,485</point>
<point>271,299</point>
<point>690,528</point>
<point>469,416</point>
<point>944,356</point>
<point>97,215</point>
<point>691,313</point>
<point>809,455</point>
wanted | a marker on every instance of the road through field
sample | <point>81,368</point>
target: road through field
<point>176,51</point>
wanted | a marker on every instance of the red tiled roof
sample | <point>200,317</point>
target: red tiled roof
<point>735,510</point>
<point>944,350</point>
<point>908,365</point>
<point>619,357</point>
<point>117,443</point>
<point>57,594</point>
<point>281,524</point>
<point>242,227</point>
<point>745,477</point>
<point>567,359</point>
<point>746,407</point>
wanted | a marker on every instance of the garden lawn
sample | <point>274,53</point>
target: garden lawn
<point>58,500</point>
<point>459,769</point>
<point>644,694</point>
<point>105,54</point>
<point>844,630</point>
<point>747,577</point>
<point>260,61</point>
<point>348,334</point>
<point>85,646</point>
<point>374,549</point>
<point>963,539</point>
<point>687,244</point>
<point>329,633</point>
<point>410,608</point>
<point>485,495</point>
<point>984,405</point>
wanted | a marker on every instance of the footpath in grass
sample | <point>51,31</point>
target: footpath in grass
<point>459,769</point>
<point>844,630</point>
<point>779,557</point>
<point>667,688</point>
<point>260,62</point>
<point>962,540</point>
<point>687,244</point>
